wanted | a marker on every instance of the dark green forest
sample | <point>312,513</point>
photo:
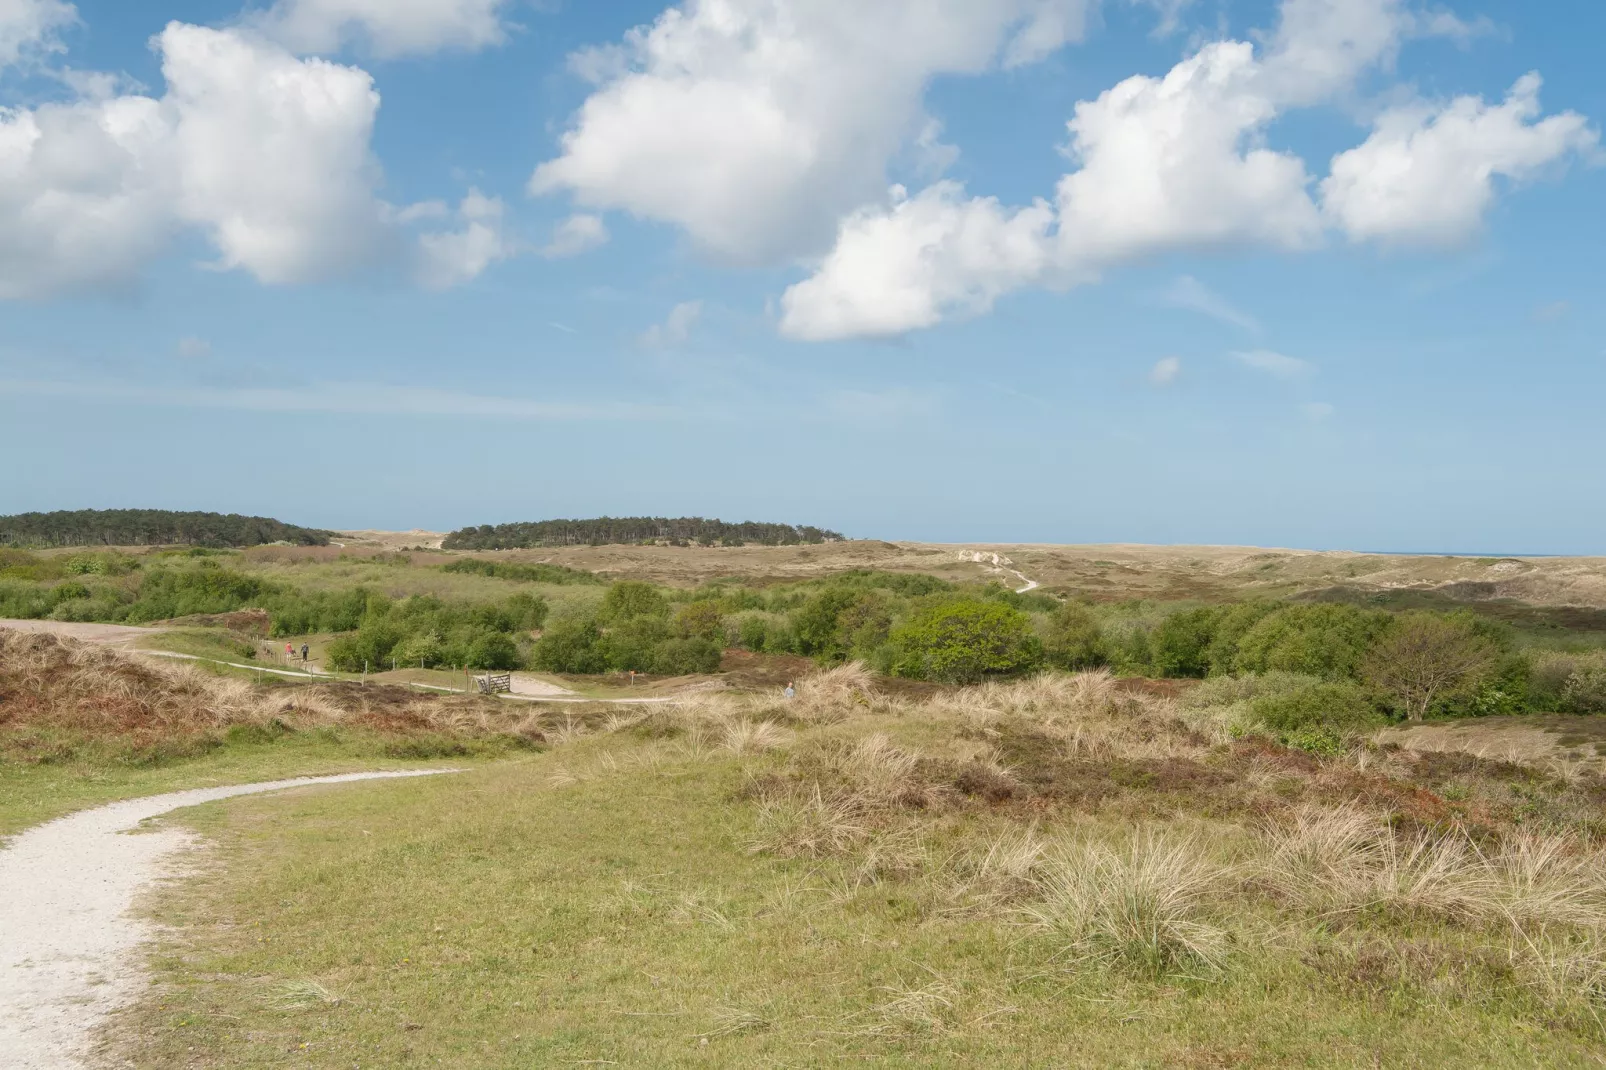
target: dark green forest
<point>606,531</point>
<point>150,527</point>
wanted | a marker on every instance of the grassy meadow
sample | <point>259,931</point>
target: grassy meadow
<point>1055,872</point>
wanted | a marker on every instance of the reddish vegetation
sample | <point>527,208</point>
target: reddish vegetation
<point>61,699</point>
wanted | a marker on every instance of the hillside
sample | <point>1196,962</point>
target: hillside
<point>151,527</point>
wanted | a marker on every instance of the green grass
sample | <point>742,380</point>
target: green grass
<point>599,905</point>
<point>30,794</point>
<point>399,581</point>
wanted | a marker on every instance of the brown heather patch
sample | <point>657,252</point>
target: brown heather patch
<point>60,699</point>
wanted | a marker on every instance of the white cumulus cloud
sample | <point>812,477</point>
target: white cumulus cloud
<point>922,259</point>
<point>454,257</point>
<point>272,154</point>
<point>87,194</point>
<point>1182,161</point>
<point>1428,175</point>
<point>265,154</point>
<point>1176,162</point>
<point>389,27</point>
<point>32,26</point>
<point>756,125</point>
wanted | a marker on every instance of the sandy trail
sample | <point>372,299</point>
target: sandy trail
<point>1000,563</point>
<point>103,634</point>
<point>68,944</point>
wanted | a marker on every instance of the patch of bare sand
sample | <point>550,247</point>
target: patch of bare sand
<point>101,634</point>
<point>1545,741</point>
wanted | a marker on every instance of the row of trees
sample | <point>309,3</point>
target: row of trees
<point>636,529</point>
<point>151,527</point>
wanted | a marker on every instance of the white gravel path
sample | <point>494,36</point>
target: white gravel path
<point>68,943</point>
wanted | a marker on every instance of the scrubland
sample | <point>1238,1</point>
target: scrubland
<point>1063,870</point>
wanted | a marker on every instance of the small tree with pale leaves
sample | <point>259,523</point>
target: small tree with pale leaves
<point>1426,658</point>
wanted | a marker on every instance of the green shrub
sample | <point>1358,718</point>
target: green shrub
<point>492,650</point>
<point>1181,644</point>
<point>1585,691</point>
<point>700,620</point>
<point>1073,640</point>
<point>752,633</point>
<point>1315,704</point>
<point>683,657</point>
<point>842,622</point>
<point>966,642</point>
<point>633,645</point>
<point>166,593</point>
<point>1328,640</point>
<point>630,599</point>
<point>1230,628</point>
<point>572,646</point>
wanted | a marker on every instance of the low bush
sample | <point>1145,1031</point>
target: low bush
<point>965,642</point>
<point>1073,640</point>
<point>1340,706</point>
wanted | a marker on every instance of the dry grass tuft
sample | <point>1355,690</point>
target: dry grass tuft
<point>1347,860</point>
<point>811,827</point>
<point>743,737</point>
<point>1140,905</point>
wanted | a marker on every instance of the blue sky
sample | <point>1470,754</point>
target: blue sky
<point>1322,273</point>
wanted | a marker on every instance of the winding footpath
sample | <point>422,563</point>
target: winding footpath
<point>68,941</point>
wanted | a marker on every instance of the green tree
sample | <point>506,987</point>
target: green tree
<point>965,642</point>
<point>682,657</point>
<point>492,650</point>
<point>1426,658</point>
<point>573,646</point>
<point>1073,639</point>
<point>630,599</point>
<point>1222,654</point>
<point>700,620</point>
<point>1181,644</point>
<point>633,645</point>
<point>1328,640</point>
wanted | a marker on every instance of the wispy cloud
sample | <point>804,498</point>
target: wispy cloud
<point>1191,294</point>
<point>564,327</point>
<point>192,348</point>
<point>1165,371</point>
<point>580,233</point>
<point>1283,367</point>
<point>351,398</point>
<point>1317,411</point>
<point>676,330</point>
<point>1554,312</point>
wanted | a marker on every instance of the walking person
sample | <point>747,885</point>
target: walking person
<point>305,652</point>
<point>790,692</point>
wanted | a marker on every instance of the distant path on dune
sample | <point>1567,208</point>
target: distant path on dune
<point>69,946</point>
<point>103,634</point>
<point>1000,563</point>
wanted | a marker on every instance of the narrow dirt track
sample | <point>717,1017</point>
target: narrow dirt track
<point>68,943</point>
